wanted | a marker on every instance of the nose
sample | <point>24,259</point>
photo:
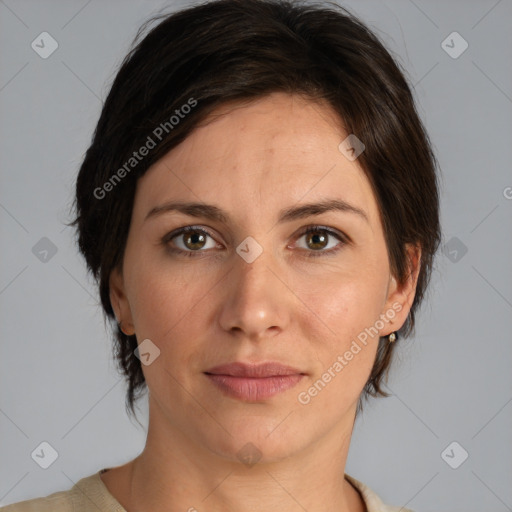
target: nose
<point>256,302</point>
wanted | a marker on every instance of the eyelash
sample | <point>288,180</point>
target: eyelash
<point>309,229</point>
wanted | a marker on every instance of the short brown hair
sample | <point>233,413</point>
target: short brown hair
<point>234,50</point>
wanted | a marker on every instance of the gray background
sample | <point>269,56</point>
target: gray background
<point>452,381</point>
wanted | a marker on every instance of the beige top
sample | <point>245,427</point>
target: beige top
<point>90,494</point>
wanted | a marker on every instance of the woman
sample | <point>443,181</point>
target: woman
<point>259,206</point>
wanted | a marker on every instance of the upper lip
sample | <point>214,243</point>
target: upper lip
<point>239,369</point>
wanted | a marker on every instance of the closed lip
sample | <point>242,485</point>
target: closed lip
<point>254,370</point>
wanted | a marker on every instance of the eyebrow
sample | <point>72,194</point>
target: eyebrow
<point>209,211</point>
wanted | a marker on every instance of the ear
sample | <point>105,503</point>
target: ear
<point>401,295</point>
<point>120,303</point>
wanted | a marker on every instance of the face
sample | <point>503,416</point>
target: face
<point>261,276</point>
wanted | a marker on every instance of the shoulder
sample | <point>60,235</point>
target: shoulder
<point>371,499</point>
<point>57,502</point>
<point>88,495</point>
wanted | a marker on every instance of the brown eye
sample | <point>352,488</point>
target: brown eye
<point>316,240</point>
<point>194,240</point>
<point>190,239</point>
<point>322,241</point>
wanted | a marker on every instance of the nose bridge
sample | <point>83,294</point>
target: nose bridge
<point>255,300</point>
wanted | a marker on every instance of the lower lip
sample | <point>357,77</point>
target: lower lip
<point>254,389</point>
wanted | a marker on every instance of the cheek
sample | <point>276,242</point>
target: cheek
<point>347,301</point>
<point>340,324</point>
<point>341,367</point>
<point>168,305</point>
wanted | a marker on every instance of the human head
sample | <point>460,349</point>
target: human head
<point>229,51</point>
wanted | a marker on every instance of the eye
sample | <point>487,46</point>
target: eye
<point>193,240</point>
<point>190,239</point>
<point>321,241</point>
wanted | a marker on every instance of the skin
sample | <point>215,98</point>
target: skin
<point>213,308</point>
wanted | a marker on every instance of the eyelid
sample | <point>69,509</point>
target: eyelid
<point>186,229</point>
<point>331,231</point>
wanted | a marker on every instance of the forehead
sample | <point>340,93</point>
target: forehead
<point>274,151</point>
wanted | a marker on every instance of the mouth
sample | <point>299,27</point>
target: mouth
<point>254,382</point>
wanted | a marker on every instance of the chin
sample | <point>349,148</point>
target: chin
<point>257,440</point>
